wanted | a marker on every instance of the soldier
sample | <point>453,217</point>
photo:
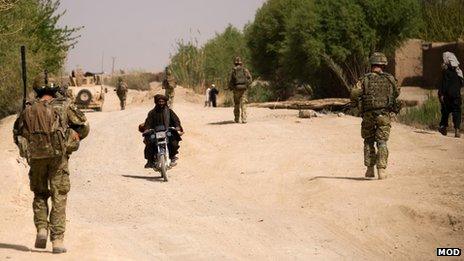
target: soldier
<point>449,93</point>
<point>47,131</point>
<point>169,85</point>
<point>240,79</point>
<point>121,91</point>
<point>376,96</point>
<point>67,93</point>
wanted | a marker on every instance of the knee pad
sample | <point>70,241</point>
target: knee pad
<point>382,143</point>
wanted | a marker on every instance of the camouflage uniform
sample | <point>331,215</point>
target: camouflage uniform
<point>121,91</point>
<point>169,84</point>
<point>66,93</point>
<point>49,177</point>
<point>240,91</point>
<point>376,97</point>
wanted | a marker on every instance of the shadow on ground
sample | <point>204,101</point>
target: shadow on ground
<point>222,123</point>
<point>15,247</point>
<point>149,178</point>
<point>22,248</point>
<point>345,178</point>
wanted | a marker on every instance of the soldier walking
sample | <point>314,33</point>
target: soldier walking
<point>121,91</point>
<point>449,93</point>
<point>47,131</point>
<point>240,79</point>
<point>376,95</point>
<point>169,85</point>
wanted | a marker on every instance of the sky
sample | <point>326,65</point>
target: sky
<point>141,34</point>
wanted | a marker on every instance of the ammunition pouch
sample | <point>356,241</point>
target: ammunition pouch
<point>22,145</point>
<point>72,144</point>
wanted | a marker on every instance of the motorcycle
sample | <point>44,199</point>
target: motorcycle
<point>159,137</point>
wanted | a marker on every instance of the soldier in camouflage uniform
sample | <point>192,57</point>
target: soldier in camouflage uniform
<point>66,93</point>
<point>121,91</point>
<point>47,131</point>
<point>240,79</point>
<point>376,96</point>
<point>169,85</point>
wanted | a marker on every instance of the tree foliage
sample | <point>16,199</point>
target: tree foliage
<point>33,23</point>
<point>196,66</point>
<point>443,20</point>
<point>311,41</point>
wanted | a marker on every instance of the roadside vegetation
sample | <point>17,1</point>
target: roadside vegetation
<point>33,23</point>
<point>136,80</point>
<point>427,115</point>
<point>320,44</point>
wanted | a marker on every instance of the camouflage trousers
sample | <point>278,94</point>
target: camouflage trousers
<point>375,130</point>
<point>169,92</point>
<point>122,101</point>
<point>240,101</point>
<point>50,178</point>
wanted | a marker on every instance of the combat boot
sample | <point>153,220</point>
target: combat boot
<point>370,172</point>
<point>41,238</point>
<point>443,130</point>
<point>58,246</point>
<point>382,173</point>
<point>457,133</point>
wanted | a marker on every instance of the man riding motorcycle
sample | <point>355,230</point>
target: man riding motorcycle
<point>162,115</point>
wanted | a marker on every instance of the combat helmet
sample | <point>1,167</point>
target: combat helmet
<point>378,59</point>
<point>43,85</point>
<point>237,60</point>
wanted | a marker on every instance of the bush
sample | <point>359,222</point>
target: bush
<point>426,115</point>
<point>260,92</point>
<point>135,80</point>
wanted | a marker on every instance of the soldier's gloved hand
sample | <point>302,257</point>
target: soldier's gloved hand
<point>180,131</point>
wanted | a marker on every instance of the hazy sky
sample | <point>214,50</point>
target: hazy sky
<point>141,33</point>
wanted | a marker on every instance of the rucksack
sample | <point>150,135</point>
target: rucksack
<point>240,76</point>
<point>45,130</point>
<point>121,89</point>
<point>378,92</point>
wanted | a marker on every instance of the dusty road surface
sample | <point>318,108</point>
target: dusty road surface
<point>277,188</point>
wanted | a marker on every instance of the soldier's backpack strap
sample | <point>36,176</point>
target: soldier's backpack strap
<point>394,104</point>
<point>365,82</point>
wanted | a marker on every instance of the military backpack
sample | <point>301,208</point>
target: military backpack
<point>240,78</point>
<point>45,126</point>
<point>378,92</point>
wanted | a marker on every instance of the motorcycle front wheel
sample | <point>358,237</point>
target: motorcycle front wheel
<point>162,167</point>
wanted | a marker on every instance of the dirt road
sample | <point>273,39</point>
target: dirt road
<point>277,188</point>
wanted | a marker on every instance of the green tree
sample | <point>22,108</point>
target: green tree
<point>443,20</point>
<point>196,66</point>
<point>219,53</point>
<point>33,23</point>
<point>311,41</point>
